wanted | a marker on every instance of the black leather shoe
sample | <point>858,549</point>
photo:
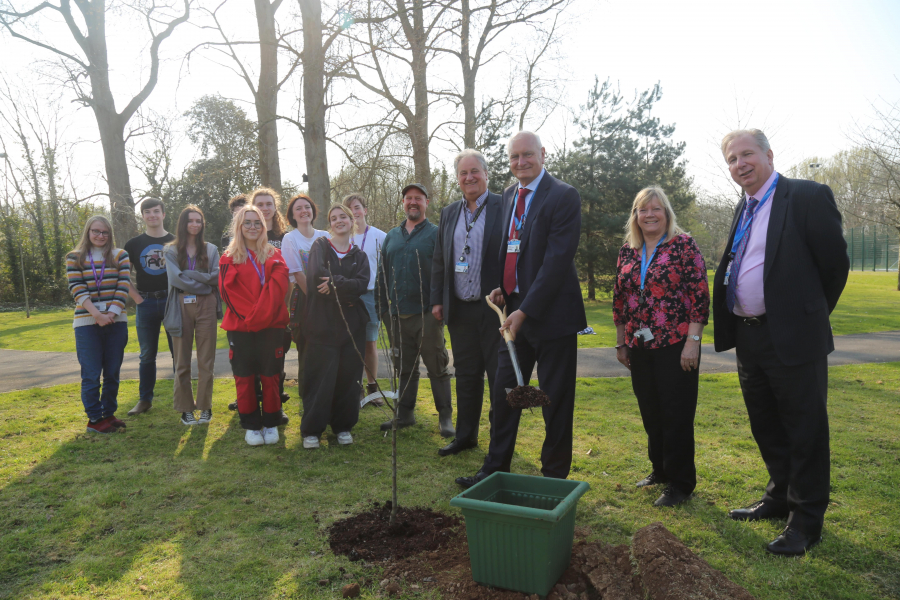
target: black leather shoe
<point>792,542</point>
<point>651,479</point>
<point>455,447</point>
<point>232,406</point>
<point>758,511</point>
<point>671,497</point>
<point>468,482</point>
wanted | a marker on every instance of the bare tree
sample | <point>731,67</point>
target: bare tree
<point>392,62</point>
<point>264,87</point>
<point>91,64</point>
<point>476,25</point>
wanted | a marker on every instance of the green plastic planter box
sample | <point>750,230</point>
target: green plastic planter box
<point>520,529</point>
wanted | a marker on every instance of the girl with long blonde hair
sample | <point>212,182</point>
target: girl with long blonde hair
<point>99,276</point>
<point>253,281</point>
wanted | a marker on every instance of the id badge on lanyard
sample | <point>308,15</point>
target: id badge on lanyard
<point>190,299</point>
<point>514,246</point>
<point>462,266</point>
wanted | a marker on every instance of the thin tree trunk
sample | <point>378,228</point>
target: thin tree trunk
<point>314,142</point>
<point>418,131</point>
<point>468,76</point>
<point>267,96</point>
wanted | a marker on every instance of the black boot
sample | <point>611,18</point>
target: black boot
<point>406,411</point>
<point>440,389</point>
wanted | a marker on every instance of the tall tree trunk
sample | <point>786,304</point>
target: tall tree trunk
<point>418,130</point>
<point>112,138</point>
<point>267,95</point>
<point>112,130</point>
<point>314,142</point>
<point>468,76</point>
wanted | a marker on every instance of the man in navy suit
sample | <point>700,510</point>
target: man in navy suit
<point>540,288</point>
<point>783,272</point>
<point>465,270</point>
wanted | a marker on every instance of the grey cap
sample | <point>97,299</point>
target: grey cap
<point>418,186</point>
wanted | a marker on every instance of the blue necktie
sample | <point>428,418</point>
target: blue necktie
<point>730,290</point>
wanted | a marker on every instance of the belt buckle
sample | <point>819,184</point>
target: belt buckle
<point>753,321</point>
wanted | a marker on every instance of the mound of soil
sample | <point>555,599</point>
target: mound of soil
<point>669,569</point>
<point>666,569</point>
<point>526,396</point>
<point>369,536</point>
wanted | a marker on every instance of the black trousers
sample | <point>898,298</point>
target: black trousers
<point>667,398</point>
<point>331,388</point>
<point>788,411</point>
<point>556,367</point>
<point>476,342</point>
<point>256,358</point>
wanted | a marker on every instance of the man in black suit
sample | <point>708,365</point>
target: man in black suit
<point>464,271</point>
<point>785,267</point>
<point>539,285</point>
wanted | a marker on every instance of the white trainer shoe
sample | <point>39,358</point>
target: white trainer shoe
<point>344,438</point>
<point>310,442</point>
<point>254,437</point>
<point>270,435</point>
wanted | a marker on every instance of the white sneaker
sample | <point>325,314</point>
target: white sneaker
<point>344,438</point>
<point>310,442</point>
<point>270,435</point>
<point>254,437</point>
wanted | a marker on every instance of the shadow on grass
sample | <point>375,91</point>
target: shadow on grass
<point>10,332</point>
<point>172,511</point>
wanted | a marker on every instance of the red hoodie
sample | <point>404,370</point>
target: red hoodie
<point>252,306</point>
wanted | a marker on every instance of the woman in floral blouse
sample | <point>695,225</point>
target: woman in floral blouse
<point>660,305</point>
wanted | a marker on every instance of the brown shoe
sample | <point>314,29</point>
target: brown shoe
<point>140,407</point>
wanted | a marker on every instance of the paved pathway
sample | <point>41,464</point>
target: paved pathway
<point>23,369</point>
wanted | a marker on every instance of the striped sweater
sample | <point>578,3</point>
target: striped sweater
<point>113,288</point>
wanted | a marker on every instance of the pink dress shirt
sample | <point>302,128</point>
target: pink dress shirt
<point>749,300</point>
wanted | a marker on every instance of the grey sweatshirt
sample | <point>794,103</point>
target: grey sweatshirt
<point>199,283</point>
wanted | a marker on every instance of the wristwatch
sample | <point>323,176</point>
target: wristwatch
<point>696,338</point>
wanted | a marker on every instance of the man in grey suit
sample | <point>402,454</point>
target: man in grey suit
<point>783,272</point>
<point>465,269</point>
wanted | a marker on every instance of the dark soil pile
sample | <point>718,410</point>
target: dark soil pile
<point>526,396</point>
<point>669,569</point>
<point>666,569</point>
<point>369,536</point>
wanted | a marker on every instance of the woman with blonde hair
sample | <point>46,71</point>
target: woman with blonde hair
<point>268,202</point>
<point>192,310</point>
<point>99,276</point>
<point>253,281</point>
<point>337,275</point>
<point>660,305</point>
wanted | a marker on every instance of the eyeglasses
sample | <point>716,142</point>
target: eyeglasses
<point>252,225</point>
<point>98,233</point>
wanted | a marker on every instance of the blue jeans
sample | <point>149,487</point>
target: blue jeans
<point>100,352</point>
<point>148,319</point>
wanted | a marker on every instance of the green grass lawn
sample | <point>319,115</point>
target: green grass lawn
<point>164,511</point>
<point>870,303</point>
<point>51,331</point>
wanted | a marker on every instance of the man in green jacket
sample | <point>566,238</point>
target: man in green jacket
<point>404,286</point>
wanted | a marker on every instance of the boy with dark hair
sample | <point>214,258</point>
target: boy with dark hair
<point>149,294</point>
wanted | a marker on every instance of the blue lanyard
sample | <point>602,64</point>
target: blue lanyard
<point>519,223</point>
<point>645,264</point>
<point>743,227</point>
<point>192,263</point>
<point>262,273</point>
<point>98,280</point>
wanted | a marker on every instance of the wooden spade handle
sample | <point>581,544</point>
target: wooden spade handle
<point>502,314</point>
